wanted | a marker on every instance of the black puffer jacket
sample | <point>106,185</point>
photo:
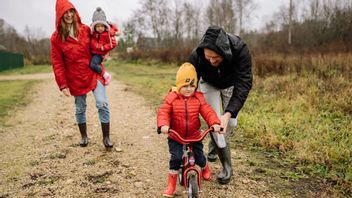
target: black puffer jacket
<point>235,70</point>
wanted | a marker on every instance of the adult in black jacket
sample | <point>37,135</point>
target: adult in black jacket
<point>224,67</point>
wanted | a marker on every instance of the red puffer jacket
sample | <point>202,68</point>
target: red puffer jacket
<point>182,113</point>
<point>104,42</point>
<point>70,58</point>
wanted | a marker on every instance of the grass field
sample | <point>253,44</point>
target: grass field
<point>151,80</point>
<point>29,69</point>
<point>304,120</point>
<point>13,94</point>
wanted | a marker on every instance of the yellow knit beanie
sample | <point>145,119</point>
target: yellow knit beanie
<point>186,75</point>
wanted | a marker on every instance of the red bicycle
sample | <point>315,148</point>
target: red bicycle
<point>189,174</point>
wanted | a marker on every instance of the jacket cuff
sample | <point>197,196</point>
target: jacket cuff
<point>233,113</point>
<point>63,87</point>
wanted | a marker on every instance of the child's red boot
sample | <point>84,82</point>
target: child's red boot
<point>171,185</point>
<point>206,172</point>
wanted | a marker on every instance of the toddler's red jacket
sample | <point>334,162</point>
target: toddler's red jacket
<point>182,113</point>
<point>102,43</point>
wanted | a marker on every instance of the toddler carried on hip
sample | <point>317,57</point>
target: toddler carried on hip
<point>102,42</point>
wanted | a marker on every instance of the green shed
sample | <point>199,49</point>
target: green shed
<point>9,60</point>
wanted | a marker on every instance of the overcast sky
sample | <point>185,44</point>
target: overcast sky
<point>40,14</point>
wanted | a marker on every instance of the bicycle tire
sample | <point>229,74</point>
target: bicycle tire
<point>193,189</point>
<point>180,176</point>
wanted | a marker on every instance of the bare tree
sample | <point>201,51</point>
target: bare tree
<point>290,23</point>
<point>177,20</point>
<point>221,13</point>
<point>130,32</point>
<point>314,9</point>
<point>244,8</point>
<point>156,13</point>
<point>192,21</point>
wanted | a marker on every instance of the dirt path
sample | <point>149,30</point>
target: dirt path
<point>40,157</point>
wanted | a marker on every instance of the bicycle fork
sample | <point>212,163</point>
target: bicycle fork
<point>189,167</point>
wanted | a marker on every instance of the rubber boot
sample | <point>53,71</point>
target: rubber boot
<point>225,157</point>
<point>212,152</point>
<point>106,131</point>
<point>171,185</point>
<point>84,137</point>
<point>206,172</point>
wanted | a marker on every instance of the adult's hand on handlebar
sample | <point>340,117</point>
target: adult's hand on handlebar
<point>225,120</point>
<point>217,128</point>
<point>165,129</point>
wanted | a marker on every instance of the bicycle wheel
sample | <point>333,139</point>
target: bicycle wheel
<point>193,189</point>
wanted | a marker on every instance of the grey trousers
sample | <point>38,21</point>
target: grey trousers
<point>218,99</point>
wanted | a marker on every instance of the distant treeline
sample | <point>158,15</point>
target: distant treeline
<point>168,32</point>
<point>36,51</point>
<point>317,27</point>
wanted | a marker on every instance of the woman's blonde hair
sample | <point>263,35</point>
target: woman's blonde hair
<point>64,30</point>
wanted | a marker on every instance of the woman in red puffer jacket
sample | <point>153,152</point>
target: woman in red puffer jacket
<point>70,57</point>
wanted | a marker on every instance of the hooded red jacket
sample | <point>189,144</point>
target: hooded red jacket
<point>106,39</point>
<point>70,58</point>
<point>182,113</point>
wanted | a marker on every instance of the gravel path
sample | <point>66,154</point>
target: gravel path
<point>40,155</point>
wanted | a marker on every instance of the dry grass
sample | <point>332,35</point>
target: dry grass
<point>324,66</point>
<point>305,116</point>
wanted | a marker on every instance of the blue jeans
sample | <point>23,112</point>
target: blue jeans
<point>100,102</point>
<point>95,63</point>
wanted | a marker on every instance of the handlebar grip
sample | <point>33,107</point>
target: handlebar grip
<point>221,128</point>
<point>158,130</point>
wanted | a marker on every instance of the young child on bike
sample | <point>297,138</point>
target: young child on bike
<point>180,112</point>
<point>102,42</point>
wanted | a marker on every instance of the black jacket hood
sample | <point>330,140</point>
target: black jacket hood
<point>216,39</point>
<point>235,70</point>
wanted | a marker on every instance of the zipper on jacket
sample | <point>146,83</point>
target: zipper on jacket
<point>186,117</point>
<point>219,73</point>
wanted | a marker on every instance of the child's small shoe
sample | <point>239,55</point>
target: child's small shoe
<point>206,172</point>
<point>107,78</point>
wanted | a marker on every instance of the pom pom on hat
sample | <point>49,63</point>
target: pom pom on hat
<point>99,17</point>
<point>186,75</point>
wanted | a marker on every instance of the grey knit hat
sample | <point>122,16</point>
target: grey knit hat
<point>99,17</point>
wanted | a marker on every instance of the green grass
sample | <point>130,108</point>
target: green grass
<point>153,81</point>
<point>305,120</point>
<point>12,95</point>
<point>28,69</point>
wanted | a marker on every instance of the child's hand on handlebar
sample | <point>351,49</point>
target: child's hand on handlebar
<point>216,128</point>
<point>165,129</point>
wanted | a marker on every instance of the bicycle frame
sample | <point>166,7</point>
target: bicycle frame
<point>189,165</point>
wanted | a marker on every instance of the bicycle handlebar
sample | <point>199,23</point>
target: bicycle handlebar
<point>176,136</point>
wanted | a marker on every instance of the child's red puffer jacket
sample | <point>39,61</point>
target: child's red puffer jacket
<point>104,42</point>
<point>182,113</point>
